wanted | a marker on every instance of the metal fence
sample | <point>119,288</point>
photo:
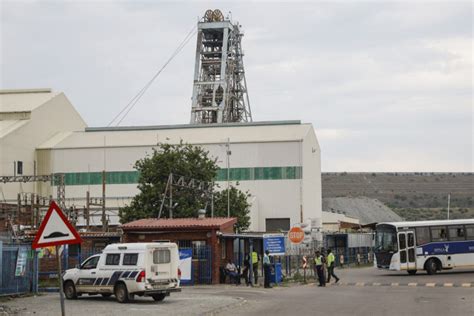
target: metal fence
<point>47,262</point>
<point>18,269</point>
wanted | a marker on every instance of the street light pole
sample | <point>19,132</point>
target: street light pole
<point>449,202</point>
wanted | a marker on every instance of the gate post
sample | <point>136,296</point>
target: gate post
<point>1,263</point>
<point>35,271</point>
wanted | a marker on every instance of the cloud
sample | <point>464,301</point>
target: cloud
<point>386,85</point>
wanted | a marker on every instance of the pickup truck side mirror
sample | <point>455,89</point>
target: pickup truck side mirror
<point>78,266</point>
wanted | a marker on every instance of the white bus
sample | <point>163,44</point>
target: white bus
<point>425,245</point>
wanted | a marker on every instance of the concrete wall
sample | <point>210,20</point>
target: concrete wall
<point>311,188</point>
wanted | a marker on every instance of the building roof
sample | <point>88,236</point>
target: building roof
<point>8,126</point>
<point>365,209</point>
<point>24,100</point>
<point>180,223</point>
<point>193,134</point>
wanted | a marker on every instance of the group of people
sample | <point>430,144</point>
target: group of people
<point>250,259</point>
<point>322,262</point>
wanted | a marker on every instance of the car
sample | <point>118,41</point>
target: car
<point>126,270</point>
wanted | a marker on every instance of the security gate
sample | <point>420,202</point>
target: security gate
<point>18,269</point>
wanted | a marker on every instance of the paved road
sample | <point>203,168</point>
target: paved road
<point>358,298</point>
<point>311,300</point>
<point>369,275</point>
<point>184,303</point>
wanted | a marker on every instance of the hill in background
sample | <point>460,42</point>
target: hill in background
<point>414,196</point>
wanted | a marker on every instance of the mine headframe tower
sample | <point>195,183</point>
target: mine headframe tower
<point>220,88</point>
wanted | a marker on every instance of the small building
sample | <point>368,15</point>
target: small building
<point>202,235</point>
<point>336,222</point>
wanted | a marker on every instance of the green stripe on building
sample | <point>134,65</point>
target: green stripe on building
<point>235,174</point>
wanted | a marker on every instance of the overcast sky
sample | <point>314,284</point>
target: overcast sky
<point>388,86</point>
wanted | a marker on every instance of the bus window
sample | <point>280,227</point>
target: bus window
<point>422,235</point>
<point>456,233</point>
<point>438,233</point>
<point>411,241</point>
<point>386,241</point>
<point>470,232</point>
<point>402,240</point>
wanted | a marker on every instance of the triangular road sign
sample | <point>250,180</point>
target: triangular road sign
<point>55,230</point>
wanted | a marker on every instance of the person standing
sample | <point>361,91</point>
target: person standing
<point>246,271</point>
<point>266,269</point>
<point>319,263</point>
<point>331,262</point>
<point>255,260</point>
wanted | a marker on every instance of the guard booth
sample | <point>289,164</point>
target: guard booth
<point>202,251</point>
<point>245,243</point>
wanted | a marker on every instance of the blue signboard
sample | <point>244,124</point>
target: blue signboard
<point>274,243</point>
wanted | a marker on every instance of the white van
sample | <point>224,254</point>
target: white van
<point>126,270</point>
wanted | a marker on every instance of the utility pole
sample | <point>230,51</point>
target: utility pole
<point>449,202</point>
<point>228,152</point>
<point>104,219</point>
<point>171,195</point>
<point>87,210</point>
<point>212,201</point>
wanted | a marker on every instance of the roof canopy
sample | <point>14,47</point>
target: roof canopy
<point>180,223</point>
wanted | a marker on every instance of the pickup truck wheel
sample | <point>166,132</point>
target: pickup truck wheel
<point>69,290</point>
<point>121,293</point>
<point>158,297</point>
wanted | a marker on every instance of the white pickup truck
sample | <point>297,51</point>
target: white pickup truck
<point>126,270</point>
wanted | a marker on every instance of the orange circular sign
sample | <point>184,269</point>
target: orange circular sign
<point>296,235</point>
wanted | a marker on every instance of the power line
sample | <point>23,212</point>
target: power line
<point>142,91</point>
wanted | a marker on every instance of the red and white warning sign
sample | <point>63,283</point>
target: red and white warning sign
<point>55,230</point>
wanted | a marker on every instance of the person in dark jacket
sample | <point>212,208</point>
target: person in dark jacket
<point>319,262</point>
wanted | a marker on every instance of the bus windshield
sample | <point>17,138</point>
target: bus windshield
<point>386,240</point>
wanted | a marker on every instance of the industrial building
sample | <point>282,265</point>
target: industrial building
<point>278,162</point>
<point>47,150</point>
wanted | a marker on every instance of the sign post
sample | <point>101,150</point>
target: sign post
<point>55,230</point>
<point>60,274</point>
<point>305,265</point>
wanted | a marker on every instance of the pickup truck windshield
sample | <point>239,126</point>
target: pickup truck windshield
<point>90,264</point>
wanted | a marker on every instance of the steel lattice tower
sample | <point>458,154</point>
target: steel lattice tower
<point>220,89</point>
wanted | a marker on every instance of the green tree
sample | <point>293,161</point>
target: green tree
<point>239,206</point>
<point>180,160</point>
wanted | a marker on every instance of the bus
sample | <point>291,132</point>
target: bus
<point>425,245</point>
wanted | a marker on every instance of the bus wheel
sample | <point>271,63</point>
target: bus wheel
<point>431,266</point>
<point>411,272</point>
